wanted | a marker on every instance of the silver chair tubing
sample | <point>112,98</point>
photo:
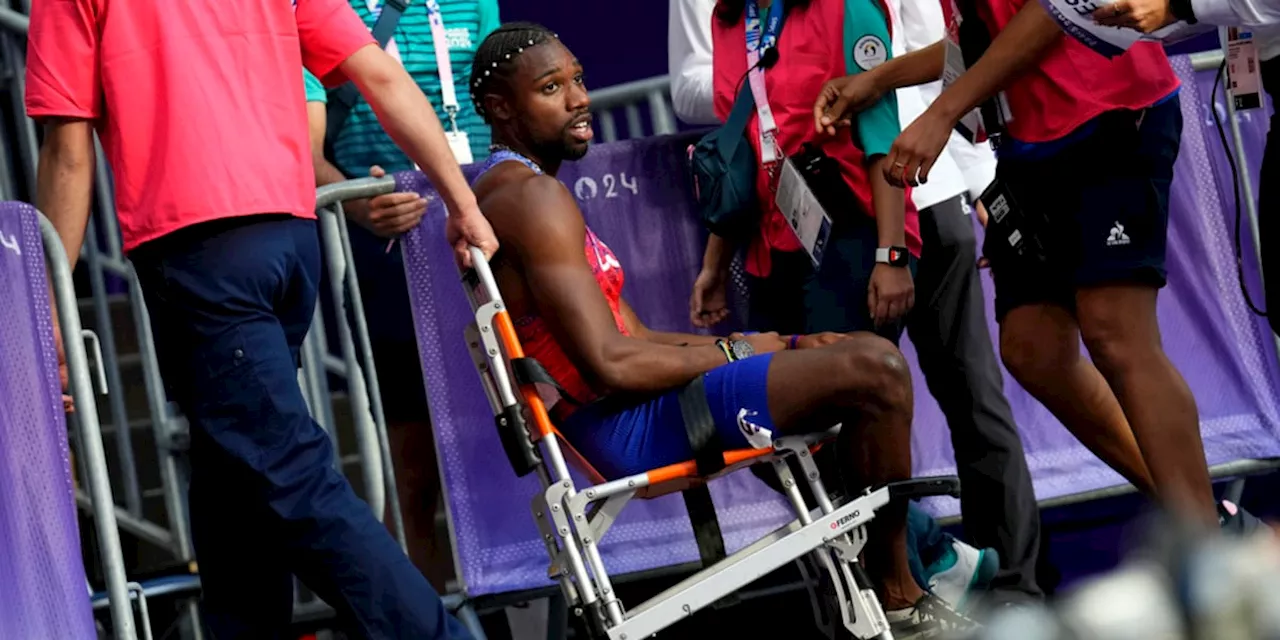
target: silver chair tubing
<point>104,513</point>
<point>374,445</point>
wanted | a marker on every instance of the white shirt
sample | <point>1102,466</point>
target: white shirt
<point>689,60</point>
<point>962,166</point>
<point>1237,13</point>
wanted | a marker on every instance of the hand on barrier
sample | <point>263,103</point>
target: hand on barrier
<point>707,305</point>
<point>840,99</point>
<point>891,294</point>
<point>917,148</point>
<point>470,233</point>
<point>391,214</point>
<point>64,379</point>
<point>1144,15</point>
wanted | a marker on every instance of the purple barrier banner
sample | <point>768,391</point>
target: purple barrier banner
<point>43,593</point>
<point>636,196</point>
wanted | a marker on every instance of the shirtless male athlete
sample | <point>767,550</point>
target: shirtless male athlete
<point>563,288</point>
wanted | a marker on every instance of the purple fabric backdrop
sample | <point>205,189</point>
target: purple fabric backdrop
<point>635,195</point>
<point>43,593</point>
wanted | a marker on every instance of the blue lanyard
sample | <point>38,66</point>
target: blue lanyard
<point>755,42</point>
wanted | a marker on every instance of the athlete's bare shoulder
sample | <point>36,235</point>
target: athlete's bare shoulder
<point>523,204</point>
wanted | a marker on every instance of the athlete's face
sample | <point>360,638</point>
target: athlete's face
<point>551,103</point>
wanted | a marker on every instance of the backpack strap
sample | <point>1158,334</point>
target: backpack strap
<point>343,98</point>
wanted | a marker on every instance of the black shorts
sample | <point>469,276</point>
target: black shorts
<point>1099,206</point>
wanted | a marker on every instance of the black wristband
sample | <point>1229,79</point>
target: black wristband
<point>1181,9</point>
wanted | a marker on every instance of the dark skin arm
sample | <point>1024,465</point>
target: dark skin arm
<point>540,228</point>
<point>639,330</point>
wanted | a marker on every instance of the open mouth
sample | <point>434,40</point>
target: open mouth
<point>581,129</point>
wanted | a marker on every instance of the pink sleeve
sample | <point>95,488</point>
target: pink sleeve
<point>63,61</point>
<point>330,31</point>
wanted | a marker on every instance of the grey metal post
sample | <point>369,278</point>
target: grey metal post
<point>371,379</point>
<point>99,482</point>
<point>115,386</point>
<point>28,149</point>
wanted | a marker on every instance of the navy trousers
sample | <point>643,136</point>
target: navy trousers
<point>230,303</point>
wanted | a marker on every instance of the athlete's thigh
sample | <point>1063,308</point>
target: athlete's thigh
<point>813,389</point>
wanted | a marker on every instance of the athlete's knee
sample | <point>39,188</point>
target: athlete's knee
<point>874,368</point>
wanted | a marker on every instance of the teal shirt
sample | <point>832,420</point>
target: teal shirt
<point>362,142</point>
<point>866,46</point>
<point>314,89</point>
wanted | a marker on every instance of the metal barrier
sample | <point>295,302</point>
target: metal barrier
<point>629,97</point>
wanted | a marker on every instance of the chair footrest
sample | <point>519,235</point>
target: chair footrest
<point>917,488</point>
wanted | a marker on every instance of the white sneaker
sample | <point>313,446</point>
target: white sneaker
<point>962,570</point>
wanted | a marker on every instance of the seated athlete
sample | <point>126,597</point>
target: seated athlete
<point>563,288</point>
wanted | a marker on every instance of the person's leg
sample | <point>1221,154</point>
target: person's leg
<point>1269,197</point>
<point>247,290</point>
<point>1040,345</point>
<point>246,584</point>
<point>1123,224</point>
<point>949,330</point>
<point>1035,306</point>
<point>864,384</point>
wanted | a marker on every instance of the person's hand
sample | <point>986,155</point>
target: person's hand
<point>761,343</point>
<point>390,214</point>
<point>840,99</point>
<point>820,339</point>
<point>891,294</point>
<point>64,380</point>
<point>916,149</point>
<point>707,305</point>
<point>469,228</point>
<point>1144,15</point>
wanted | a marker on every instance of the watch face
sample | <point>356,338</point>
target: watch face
<point>897,257</point>
<point>742,349</point>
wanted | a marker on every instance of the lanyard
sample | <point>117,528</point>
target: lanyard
<point>757,42</point>
<point>444,65</point>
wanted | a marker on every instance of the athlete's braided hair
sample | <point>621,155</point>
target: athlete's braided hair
<point>496,55</point>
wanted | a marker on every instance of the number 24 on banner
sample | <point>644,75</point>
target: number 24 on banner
<point>586,188</point>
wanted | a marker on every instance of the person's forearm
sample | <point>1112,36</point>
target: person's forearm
<point>64,182</point>
<point>675,339</point>
<point>718,255</point>
<point>917,67</point>
<point>638,366</point>
<point>410,120</point>
<point>890,207</point>
<point>326,173</point>
<point>1021,45</point>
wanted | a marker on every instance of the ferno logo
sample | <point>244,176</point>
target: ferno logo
<point>845,520</point>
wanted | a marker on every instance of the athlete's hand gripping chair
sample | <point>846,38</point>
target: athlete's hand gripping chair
<point>573,521</point>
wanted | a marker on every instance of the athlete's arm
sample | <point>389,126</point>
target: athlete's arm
<point>541,229</point>
<point>675,339</point>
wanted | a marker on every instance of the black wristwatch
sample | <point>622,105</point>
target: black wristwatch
<point>1181,9</point>
<point>892,256</point>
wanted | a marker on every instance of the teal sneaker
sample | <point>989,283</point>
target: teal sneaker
<point>961,572</point>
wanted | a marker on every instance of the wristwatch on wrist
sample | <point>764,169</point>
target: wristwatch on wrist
<point>735,350</point>
<point>892,256</point>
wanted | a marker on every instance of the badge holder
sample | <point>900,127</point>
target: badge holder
<point>1242,69</point>
<point>1015,235</point>
<point>805,215</point>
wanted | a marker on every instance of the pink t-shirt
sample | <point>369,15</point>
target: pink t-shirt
<point>199,103</point>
